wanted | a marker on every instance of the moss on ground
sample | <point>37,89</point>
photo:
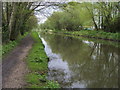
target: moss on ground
<point>37,62</point>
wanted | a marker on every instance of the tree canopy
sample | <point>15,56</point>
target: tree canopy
<point>73,16</point>
<point>19,17</point>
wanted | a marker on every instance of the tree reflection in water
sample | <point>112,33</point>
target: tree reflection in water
<point>90,64</point>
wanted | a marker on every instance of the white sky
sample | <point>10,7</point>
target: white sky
<point>43,14</point>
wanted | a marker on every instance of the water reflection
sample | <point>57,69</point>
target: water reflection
<point>80,63</point>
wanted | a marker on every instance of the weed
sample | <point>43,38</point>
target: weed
<point>7,47</point>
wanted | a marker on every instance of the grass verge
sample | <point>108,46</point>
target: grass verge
<point>37,62</point>
<point>94,34</point>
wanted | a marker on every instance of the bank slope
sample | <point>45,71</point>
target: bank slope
<point>37,62</point>
<point>93,34</point>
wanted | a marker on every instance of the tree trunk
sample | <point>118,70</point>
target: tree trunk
<point>12,22</point>
<point>96,27</point>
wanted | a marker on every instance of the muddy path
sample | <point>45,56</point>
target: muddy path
<point>14,66</point>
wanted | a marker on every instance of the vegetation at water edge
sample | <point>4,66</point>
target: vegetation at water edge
<point>94,34</point>
<point>37,62</point>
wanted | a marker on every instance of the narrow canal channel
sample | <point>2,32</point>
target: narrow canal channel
<point>78,63</point>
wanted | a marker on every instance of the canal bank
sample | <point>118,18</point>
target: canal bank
<point>37,62</point>
<point>102,41</point>
<point>93,34</point>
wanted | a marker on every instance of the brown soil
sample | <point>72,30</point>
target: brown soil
<point>14,66</point>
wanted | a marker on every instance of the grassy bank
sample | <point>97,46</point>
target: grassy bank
<point>94,34</point>
<point>7,47</point>
<point>37,62</point>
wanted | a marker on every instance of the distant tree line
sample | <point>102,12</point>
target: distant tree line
<point>73,16</point>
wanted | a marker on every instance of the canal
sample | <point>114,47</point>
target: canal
<point>81,63</point>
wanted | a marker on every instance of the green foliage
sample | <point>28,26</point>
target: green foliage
<point>30,24</point>
<point>6,47</point>
<point>72,17</point>
<point>37,61</point>
<point>33,78</point>
<point>97,34</point>
<point>52,84</point>
<point>17,19</point>
<point>108,14</point>
<point>5,34</point>
<point>114,25</point>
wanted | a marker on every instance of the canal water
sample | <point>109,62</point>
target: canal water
<point>82,63</point>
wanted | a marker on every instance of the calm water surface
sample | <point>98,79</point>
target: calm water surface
<point>77,63</point>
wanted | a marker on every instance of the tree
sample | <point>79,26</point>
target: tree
<point>104,15</point>
<point>16,16</point>
<point>72,17</point>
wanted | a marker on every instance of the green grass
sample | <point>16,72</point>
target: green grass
<point>94,34</point>
<point>7,47</point>
<point>37,62</point>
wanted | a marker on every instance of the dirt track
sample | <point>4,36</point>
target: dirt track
<point>14,66</point>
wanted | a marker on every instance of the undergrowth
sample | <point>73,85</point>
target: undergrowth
<point>7,47</point>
